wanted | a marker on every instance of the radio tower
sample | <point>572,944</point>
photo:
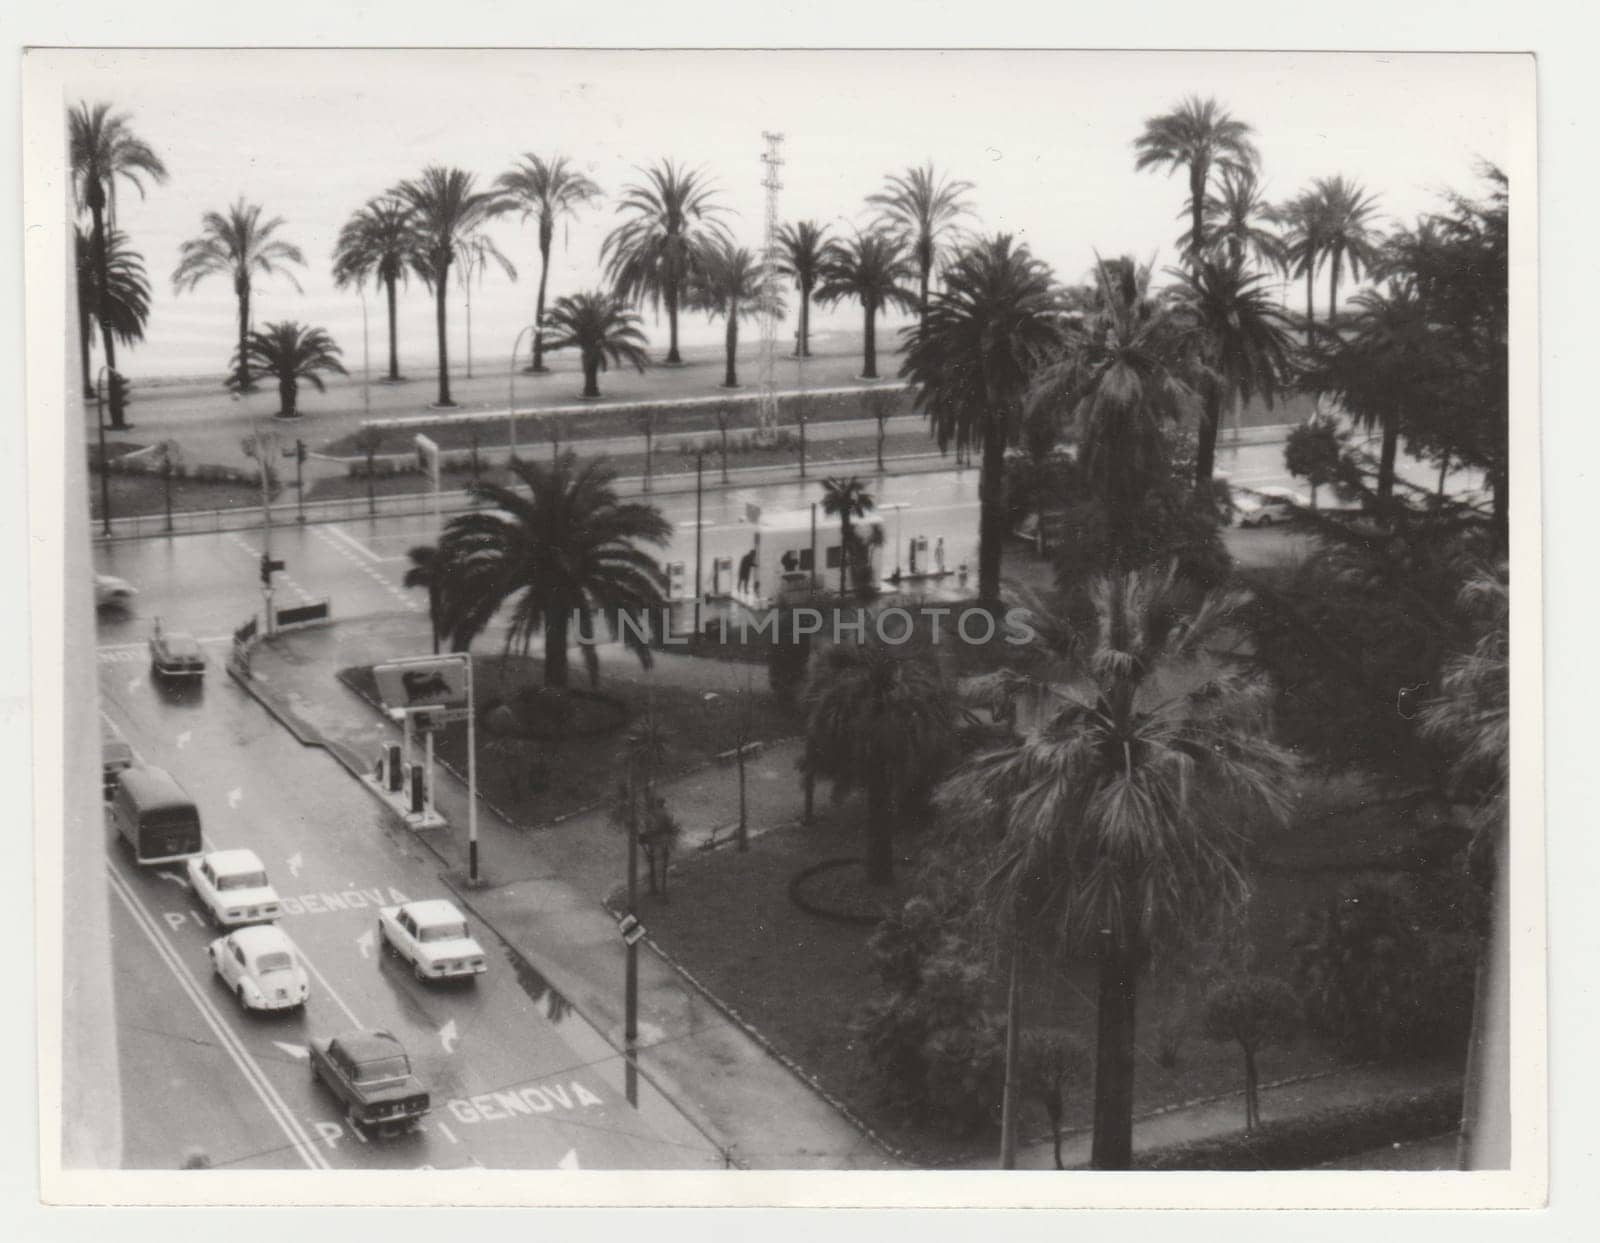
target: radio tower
<point>767,425</point>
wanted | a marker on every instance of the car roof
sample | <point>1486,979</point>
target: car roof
<point>363,1046</point>
<point>229,862</point>
<point>434,911</point>
<point>1276,493</point>
<point>262,939</point>
<point>179,639</point>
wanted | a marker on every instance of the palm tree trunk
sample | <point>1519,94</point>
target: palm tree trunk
<point>85,332</point>
<point>1205,456</point>
<point>537,365</point>
<point>1311,310</point>
<point>1333,290</point>
<point>991,519</point>
<point>925,264</point>
<point>1112,1147</point>
<point>394,339</point>
<point>1198,175</point>
<point>441,284</point>
<point>803,348</point>
<point>102,282</point>
<point>1386,457</point>
<point>1252,1098</point>
<point>880,834</point>
<point>1010,1096</point>
<point>730,375</point>
<point>591,376</point>
<point>672,325</point>
<point>844,549</point>
<point>288,395</point>
<point>869,346</point>
<point>555,648</point>
<point>433,614</point>
<point>242,288</point>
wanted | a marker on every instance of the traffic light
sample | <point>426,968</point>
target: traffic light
<point>269,566</point>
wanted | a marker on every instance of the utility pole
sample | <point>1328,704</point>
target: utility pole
<point>264,446</point>
<point>300,478</point>
<point>105,462</point>
<point>699,466</point>
<point>767,423</point>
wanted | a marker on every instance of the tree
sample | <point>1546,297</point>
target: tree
<point>1195,136</point>
<point>1304,242</point>
<point>103,150</point>
<point>846,500</point>
<point>1051,1064</point>
<point>878,718</point>
<point>1238,342</point>
<point>378,241</point>
<point>880,405</point>
<point>169,456</point>
<point>547,190</point>
<point>1237,220</point>
<point>730,282</point>
<point>603,331</point>
<point>872,269</point>
<point>425,571</point>
<point>921,206</point>
<point>289,352</point>
<point>803,250</point>
<point>367,441</point>
<point>449,215</point>
<point>971,361</point>
<point>1345,211</point>
<point>124,309</point>
<point>651,255</point>
<point>1118,820</point>
<point>1315,452</point>
<point>562,553</point>
<point>1254,1011</point>
<point>241,246</point>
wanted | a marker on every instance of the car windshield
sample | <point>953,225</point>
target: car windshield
<point>278,960</point>
<point>243,880</point>
<point>444,932</point>
<point>383,1068</point>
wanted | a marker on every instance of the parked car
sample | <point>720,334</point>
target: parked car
<point>262,967</point>
<point>1266,506</point>
<point>112,592</point>
<point>370,1072</point>
<point>432,936</point>
<point>175,654</point>
<point>232,885</point>
<point>116,756</point>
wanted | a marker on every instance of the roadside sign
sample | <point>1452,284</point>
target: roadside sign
<point>423,683</point>
<point>633,935</point>
<point>427,719</point>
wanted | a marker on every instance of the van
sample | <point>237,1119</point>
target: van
<point>155,817</point>
<point>116,757</point>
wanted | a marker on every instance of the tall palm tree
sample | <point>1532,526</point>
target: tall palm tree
<point>564,551</point>
<point>1118,821</point>
<point>103,150</point>
<point>803,249</point>
<point>124,309</point>
<point>1346,211</point>
<point>1238,221</point>
<point>879,719</point>
<point>971,361</point>
<point>651,255</point>
<point>449,215</point>
<point>1304,242</point>
<point>873,269</point>
<point>921,207</point>
<point>547,190</point>
<point>241,246</point>
<point>1196,135</point>
<point>377,241</point>
<point>426,571</point>
<point>1237,339</point>
<point>603,331</point>
<point>732,283</point>
<point>290,352</point>
<point>846,500</point>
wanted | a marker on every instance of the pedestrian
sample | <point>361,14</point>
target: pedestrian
<point>938,555</point>
<point>747,565</point>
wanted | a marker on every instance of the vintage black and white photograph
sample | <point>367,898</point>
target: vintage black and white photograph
<point>789,611</point>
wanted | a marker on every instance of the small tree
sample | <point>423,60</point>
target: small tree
<point>1052,1062</point>
<point>369,440</point>
<point>1314,452</point>
<point>659,834</point>
<point>880,404</point>
<point>724,411</point>
<point>1255,1011</point>
<point>169,454</point>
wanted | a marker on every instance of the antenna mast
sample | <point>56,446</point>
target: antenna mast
<point>767,425</point>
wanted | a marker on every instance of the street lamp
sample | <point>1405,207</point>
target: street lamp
<point>511,393</point>
<point>105,462</point>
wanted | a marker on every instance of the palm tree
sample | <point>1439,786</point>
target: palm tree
<point>564,551</point>
<point>803,250</point>
<point>1119,819</point>
<point>549,190</point>
<point>846,500</point>
<point>602,330</point>
<point>1237,340</point>
<point>651,255</point>
<point>426,571</point>
<point>103,150</point>
<point>125,307</point>
<point>377,241</point>
<point>1303,242</point>
<point>731,282</point>
<point>878,718</point>
<point>1195,135</point>
<point>1346,211</point>
<point>239,245</point>
<point>449,216</point>
<point>872,269</point>
<point>920,207</point>
<point>971,360</point>
<point>290,352</point>
<point>1237,220</point>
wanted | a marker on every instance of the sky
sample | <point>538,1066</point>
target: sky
<point>1045,138</point>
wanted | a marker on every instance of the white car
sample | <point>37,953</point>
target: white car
<point>432,936</point>
<point>112,592</point>
<point>232,885</point>
<point>1267,506</point>
<point>262,967</point>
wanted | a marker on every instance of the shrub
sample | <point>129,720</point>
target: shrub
<point>1254,1011</point>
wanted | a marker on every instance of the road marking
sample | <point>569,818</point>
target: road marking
<point>297,1051</point>
<point>352,552</point>
<point>235,797</point>
<point>183,739</point>
<point>174,878</point>
<point>570,1161</point>
<point>337,1000</point>
<point>448,1036</point>
<point>230,1043</point>
<point>365,943</point>
<point>296,862</point>
<point>345,537</point>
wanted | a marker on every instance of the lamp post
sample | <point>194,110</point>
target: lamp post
<point>699,527</point>
<point>511,393</point>
<point>105,462</point>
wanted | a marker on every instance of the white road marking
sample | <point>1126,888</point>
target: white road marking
<point>345,537</point>
<point>235,797</point>
<point>296,862</point>
<point>448,1036</point>
<point>337,1000</point>
<point>174,878</point>
<point>353,552</point>
<point>297,1051</point>
<point>183,739</point>
<point>365,943</point>
<point>570,1161</point>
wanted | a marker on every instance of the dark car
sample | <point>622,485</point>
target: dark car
<point>371,1074</point>
<point>176,655</point>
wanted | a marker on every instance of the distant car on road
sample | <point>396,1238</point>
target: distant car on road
<point>232,885</point>
<point>1266,506</point>
<point>174,654</point>
<point>432,936</point>
<point>262,967</point>
<point>112,592</point>
<point>370,1072</point>
<point>116,757</point>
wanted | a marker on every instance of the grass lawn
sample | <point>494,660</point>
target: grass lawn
<point>537,781</point>
<point>145,494</point>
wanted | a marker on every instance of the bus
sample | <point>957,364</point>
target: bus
<point>155,817</point>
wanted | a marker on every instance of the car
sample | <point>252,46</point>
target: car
<point>233,888</point>
<point>116,757</point>
<point>1267,506</point>
<point>370,1072</point>
<point>112,592</point>
<point>432,936</point>
<point>175,654</point>
<point>262,967</point>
